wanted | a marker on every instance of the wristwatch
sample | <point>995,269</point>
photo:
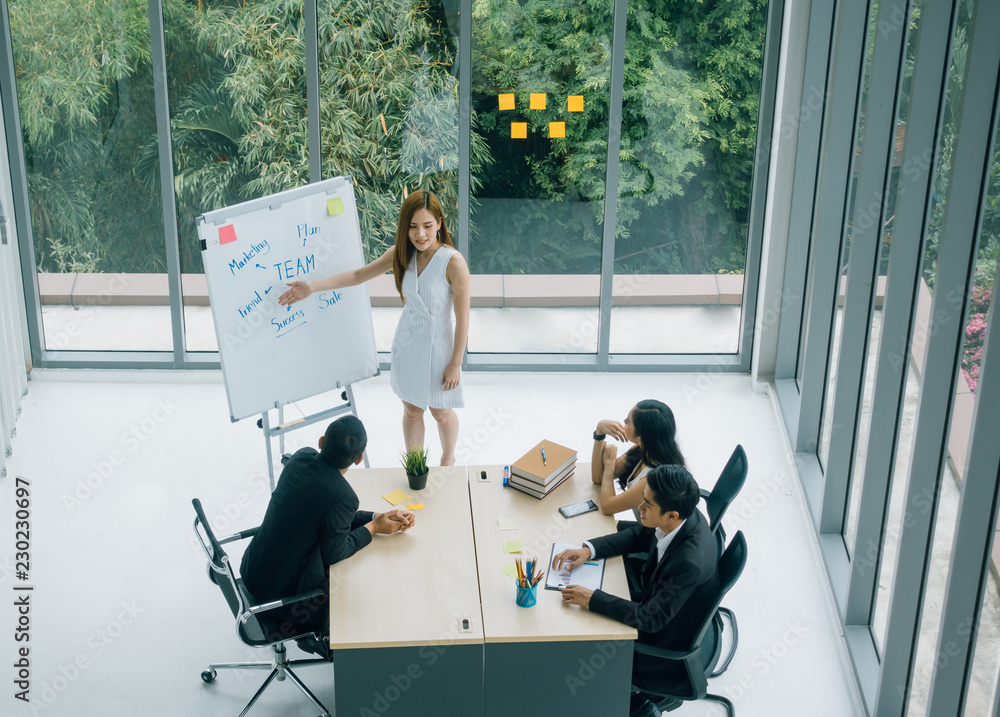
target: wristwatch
<point>599,436</point>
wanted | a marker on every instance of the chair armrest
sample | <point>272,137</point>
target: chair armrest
<point>243,534</point>
<point>662,653</point>
<point>705,493</point>
<point>264,607</point>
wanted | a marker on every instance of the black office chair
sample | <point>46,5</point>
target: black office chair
<point>690,682</point>
<point>726,488</point>
<point>254,626</point>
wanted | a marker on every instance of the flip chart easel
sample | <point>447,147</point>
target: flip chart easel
<point>273,355</point>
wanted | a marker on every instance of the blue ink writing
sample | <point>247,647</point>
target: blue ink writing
<point>245,311</point>
<point>260,248</point>
<point>294,267</point>
<point>305,231</point>
<point>328,299</point>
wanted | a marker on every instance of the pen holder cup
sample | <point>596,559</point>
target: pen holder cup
<point>526,597</point>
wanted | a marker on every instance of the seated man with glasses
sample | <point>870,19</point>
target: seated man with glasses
<point>678,584</point>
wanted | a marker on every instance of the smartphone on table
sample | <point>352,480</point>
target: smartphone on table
<point>574,509</point>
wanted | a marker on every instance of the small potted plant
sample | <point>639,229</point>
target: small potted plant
<point>414,460</point>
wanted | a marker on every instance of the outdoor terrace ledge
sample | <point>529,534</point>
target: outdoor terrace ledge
<point>493,290</point>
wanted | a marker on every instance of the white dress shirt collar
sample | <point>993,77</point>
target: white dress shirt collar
<point>663,540</point>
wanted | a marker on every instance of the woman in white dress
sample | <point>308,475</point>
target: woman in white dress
<point>432,279</point>
<point>650,425</point>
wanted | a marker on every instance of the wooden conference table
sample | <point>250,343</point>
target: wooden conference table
<point>424,622</point>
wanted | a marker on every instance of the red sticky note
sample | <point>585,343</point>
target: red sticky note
<point>227,234</point>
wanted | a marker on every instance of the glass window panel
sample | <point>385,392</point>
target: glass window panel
<point>236,78</point>
<point>689,129</point>
<point>85,92</point>
<point>944,526</point>
<point>389,118</point>
<point>826,427</point>
<point>875,331</point>
<point>539,95</point>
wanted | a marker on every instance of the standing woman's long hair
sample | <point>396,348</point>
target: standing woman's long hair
<point>655,426</point>
<point>403,254</point>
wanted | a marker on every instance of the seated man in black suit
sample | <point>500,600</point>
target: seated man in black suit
<point>312,521</point>
<point>679,582</point>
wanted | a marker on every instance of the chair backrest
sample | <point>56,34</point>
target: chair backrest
<point>731,565</point>
<point>220,572</point>
<point>730,482</point>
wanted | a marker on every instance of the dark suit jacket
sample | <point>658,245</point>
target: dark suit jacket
<point>676,593</point>
<point>312,521</point>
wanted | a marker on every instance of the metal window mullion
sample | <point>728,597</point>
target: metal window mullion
<point>830,211</point>
<point>956,258</point>
<point>167,195</point>
<point>14,137</point>
<point>610,224</point>
<point>874,176</point>
<point>969,570</point>
<point>464,127</point>
<point>758,187</point>
<point>312,90</point>
<point>969,567</point>
<point>810,126</point>
<point>928,86</point>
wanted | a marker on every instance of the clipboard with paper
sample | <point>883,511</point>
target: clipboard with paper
<point>589,575</point>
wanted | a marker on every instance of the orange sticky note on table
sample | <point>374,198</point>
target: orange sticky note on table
<point>518,130</point>
<point>537,101</point>
<point>506,101</point>
<point>557,129</point>
<point>574,103</point>
<point>415,506</point>
<point>227,234</point>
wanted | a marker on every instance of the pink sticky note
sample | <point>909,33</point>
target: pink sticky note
<point>227,234</point>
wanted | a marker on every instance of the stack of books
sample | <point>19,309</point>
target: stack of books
<point>542,469</point>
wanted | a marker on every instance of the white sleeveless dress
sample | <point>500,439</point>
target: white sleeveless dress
<point>425,336</point>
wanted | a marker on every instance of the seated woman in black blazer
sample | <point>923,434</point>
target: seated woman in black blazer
<point>651,427</point>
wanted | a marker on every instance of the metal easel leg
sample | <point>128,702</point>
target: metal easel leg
<point>266,425</point>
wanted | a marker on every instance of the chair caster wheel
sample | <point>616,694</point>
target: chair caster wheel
<point>208,676</point>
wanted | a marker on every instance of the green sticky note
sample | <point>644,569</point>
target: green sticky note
<point>509,570</point>
<point>513,546</point>
<point>334,206</point>
<point>507,524</point>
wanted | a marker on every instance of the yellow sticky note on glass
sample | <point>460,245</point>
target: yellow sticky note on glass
<point>557,129</point>
<point>518,130</point>
<point>537,101</point>
<point>334,206</point>
<point>574,103</point>
<point>507,523</point>
<point>396,497</point>
<point>509,570</point>
<point>415,506</point>
<point>513,546</point>
<point>506,102</point>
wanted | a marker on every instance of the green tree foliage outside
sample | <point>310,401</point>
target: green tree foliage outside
<point>389,117</point>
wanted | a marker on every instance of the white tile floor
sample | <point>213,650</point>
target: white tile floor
<point>123,618</point>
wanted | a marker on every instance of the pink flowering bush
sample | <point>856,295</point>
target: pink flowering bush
<point>975,331</point>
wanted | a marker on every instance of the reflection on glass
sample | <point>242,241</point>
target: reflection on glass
<point>540,74</point>
<point>85,92</point>
<point>689,131</point>
<point>236,78</point>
